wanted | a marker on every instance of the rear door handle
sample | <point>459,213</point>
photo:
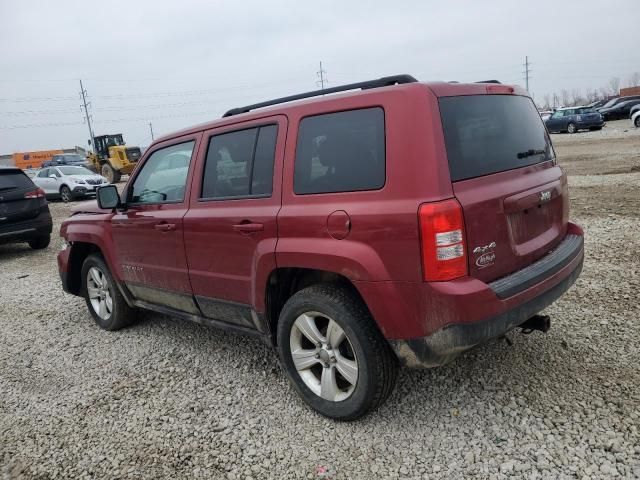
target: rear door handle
<point>248,227</point>
<point>165,227</point>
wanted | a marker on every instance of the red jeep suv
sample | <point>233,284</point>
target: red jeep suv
<point>396,223</point>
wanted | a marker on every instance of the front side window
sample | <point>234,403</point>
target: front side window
<point>44,173</point>
<point>164,175</point>
<point>240,163</point>
<point>341,152</point>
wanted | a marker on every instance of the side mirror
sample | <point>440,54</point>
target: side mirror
<point>53,176</point>
<point>89,142</point>
<point>108,197</point>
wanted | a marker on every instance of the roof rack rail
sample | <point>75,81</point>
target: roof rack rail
<point>380,82</point>
<point>489,81</point>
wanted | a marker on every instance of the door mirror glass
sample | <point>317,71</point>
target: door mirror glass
<point>108,197</point>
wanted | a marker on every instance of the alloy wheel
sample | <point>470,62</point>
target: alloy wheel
<point>323,356</point>
<point>99,293</point>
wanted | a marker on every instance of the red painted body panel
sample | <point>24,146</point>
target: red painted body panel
<point>224,263</point>
<point>146,254</point>
<point>418,309</point>
<point>379,250</point>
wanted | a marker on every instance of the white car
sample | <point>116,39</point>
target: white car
<point>635,119</point>
<point>68,182</point>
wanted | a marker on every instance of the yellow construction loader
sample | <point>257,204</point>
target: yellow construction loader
<point>112,158</point>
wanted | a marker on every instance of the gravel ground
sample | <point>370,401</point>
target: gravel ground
<point>168,399</point>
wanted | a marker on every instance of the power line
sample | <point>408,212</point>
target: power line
<point>87,117</point>
<point>321,76</point>
<point>527,72</point>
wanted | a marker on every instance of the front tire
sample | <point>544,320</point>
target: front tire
<point>571,128</point>
<point>637,121</point>
<point>40,243</point>
<point>65,194</point>
<point>110,173</point>
<point>104,300</point>
<point>334,354</point>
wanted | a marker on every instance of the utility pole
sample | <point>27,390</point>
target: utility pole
<point>322,80</point>
<point>526,72</point>
<point>151,128</point>
<point>87,117</point>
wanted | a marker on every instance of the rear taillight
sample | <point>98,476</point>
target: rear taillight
<point>444,254</point>
<point>37,193</point>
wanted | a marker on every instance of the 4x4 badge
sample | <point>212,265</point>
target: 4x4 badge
<point>484,248</point>
<point>545,196</point>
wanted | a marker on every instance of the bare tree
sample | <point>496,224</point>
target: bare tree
<point>614,85</point>
<point>547,101</point>
<point>564,96</point>
<point>556,100</point>
<point>634,80</point>
<point>604,92</point>
<point>576,97</point>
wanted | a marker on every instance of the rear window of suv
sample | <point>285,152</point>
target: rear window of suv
<point>340,152</point>
<point>486,134</point>
<point>11,180</point>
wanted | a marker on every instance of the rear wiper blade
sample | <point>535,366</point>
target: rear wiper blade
<point>530,153</point>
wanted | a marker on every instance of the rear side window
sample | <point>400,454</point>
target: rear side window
<point>240,163</point>
<point>13,180</point>
<point>486,134</point>
<point>341,152</point>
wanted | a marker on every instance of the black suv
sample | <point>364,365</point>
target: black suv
<point>24,213</point>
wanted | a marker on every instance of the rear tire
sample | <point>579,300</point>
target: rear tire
<point>571,128</point>
<point>65,194</point>
<point>329,313</point>
<point>637,121</point>
<point>104,300</point>
<point>40,243</point>
<point>110,173</point>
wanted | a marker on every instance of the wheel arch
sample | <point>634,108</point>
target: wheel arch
<point>283,283</point>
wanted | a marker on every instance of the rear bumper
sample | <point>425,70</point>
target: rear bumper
<point>429,324</point>
<point>449,342</point>
<point>591,124</point>
<point>27,230</point>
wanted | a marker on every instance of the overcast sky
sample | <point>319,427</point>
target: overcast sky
<point>181,63</point>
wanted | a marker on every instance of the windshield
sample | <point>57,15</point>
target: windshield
<point>75,171</point>
<point>486,134</point>
<point>610,103</point>
<point>114,140</point>
<point>73,158</point>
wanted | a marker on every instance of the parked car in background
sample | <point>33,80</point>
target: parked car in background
<point>597,104</point>
<point>573,119</point>
<point>545,114</point>
<point>68,182</point>
<point>636,119</point>
<point>619,110</point>
<point>617,100</point>
<point>24,213</point>
<point>634,109</point>
<point>66,159</point>
<point>399,223</point>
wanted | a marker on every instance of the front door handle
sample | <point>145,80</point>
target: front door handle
<point>248,227</point>
<point>165,227</point>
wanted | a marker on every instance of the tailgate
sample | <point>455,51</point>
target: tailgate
<point>502,166</point>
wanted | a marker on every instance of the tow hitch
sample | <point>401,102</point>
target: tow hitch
<point>537,322</point>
